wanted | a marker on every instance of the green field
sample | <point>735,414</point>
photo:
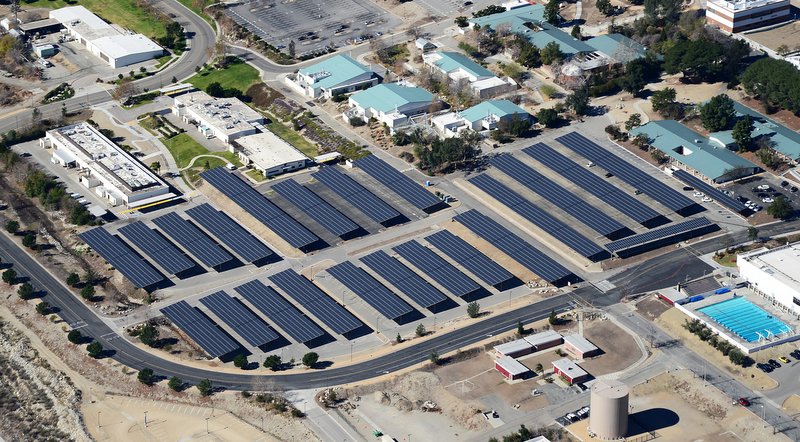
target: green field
<point>292,137</point>
<point>238,75</point>
<point>124,13</point>
<point>255,175</point>
<point>192,4</point>
<point>183,148</point>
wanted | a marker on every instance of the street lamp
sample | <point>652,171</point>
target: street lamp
<point>98,419</point>
<point>145,419</point>
<point>207,425</point>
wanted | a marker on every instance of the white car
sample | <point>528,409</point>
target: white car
<point>755,208</point>
<point>763,187</point>
<point>699,194</point>
<point>767,200</point>
<point>707,199</point>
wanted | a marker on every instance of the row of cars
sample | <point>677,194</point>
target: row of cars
<point>577,415</point>
<point>772,364</point>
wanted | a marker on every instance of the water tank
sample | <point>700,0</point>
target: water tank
<point>609,413</point>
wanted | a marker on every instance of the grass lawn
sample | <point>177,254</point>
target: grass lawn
<point>290,136</point>
<point>122,12</point>
<point>727,260</point>
<point>238,75</point>
<point>163,60</point>
<point>191,5</point>
<point>183,148</point>
<point>255,175</point>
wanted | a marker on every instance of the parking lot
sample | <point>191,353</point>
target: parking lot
<point>762,190</point>
<point>313,24</point>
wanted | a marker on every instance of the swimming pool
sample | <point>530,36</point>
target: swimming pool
<point>745,319</point>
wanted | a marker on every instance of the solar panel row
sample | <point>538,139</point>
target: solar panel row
<point>592,183</point>
<point>239,318</point>
<point>201,329</point>
<point>192,239</point>
<point>231,233</point>
<point>370,290</point>
<point>355,194</point>
<point>316,208</point>
<point>400,276</point>
<point>399,183</point>
<point>710,191</point>
<point>626,172</point>
<point>157,248</point>
<point>557,195</point>
<point>316,301</point>
<point>260,207</point>
<point>122,257</point>
<point>514,246</point>
<point>436,268</point>
<point>470,258</point>
<point>697,226</point>
<point>280,311</point>
<point>539,217</point>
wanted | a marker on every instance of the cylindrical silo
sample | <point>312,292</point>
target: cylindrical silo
<point>608,418</point>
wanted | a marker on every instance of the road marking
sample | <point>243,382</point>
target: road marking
<point>77,325</point>
<point>110,336</point>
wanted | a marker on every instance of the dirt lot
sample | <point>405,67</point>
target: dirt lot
<point>788,34</point>
<point>652,307</point>
<point>593,17</point>
<point>621,350</point>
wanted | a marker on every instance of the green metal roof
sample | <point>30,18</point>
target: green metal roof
<point>386,97</point>
<point>617,46</point>
<point>451,61</point>
<point>784,140</point>
<point>498,108</point>
<point>335,70</point>
<point>515,17</point>
<point>692,149</point>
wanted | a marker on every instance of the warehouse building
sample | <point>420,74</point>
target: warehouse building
<point>745,15</point>
<point>774,274</point>
<point>113,45</point>
<point>336,75</point>
<point>511,368</point>
<point>570,371</point>
<point>105,167</point>
<point>223,118</point>
<point>269,154</point>
<point>580,347</point>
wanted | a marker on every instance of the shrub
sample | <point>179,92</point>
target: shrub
<point>146,376</point>
<point>94,349</point>
<point>420,331</point>
<point>175,383</point>
<point>357,121</point>
<point>310,359</point>
<point>75,337</point>
<point>240,361</point>
<point>473,309</point>
<point>205,387</point>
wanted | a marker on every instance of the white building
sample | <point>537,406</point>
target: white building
<point>113,45</point>
<point>392,104</point>
<point>269,154</point>
<point>224,118</point>
<point>339,74</point>
<point>775,274</point>
<point>744,15</point>
<point>458,67</point>
<point>105,167</point>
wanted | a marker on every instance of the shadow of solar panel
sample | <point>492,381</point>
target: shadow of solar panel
<point>436,268</point>
<point>539,217</point>
<point>626,172</point>
<point>241,320</point>
<point>470,258</point>
<point>313,299</point>
<point>161,251</point>
<point>230,233</point>
<point>280,311</point>
<point>400,276</point>
<point>260,208</point>
<point>370,290</point>
<point>355,194</point>
<point>192,239</point>
<point>514,246</point>
<point>402,185</point>
<point>316,208</point>
<point>670,234</point>
<point>710,191</point>
<point>201,329</point>
<point>122,257</point>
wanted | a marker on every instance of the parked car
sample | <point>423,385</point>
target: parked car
<point>793,189</point>
<point>763,187</point>
<point>766,368</point>
<point>767,200</point>
<point>744,402</point>
<point>572,417</point>
<point>785,360</point>
<point>707,199</point>
<point>784,183</point>
<point>699,194</point>
<point>774,363</point>
<point>795,354</point>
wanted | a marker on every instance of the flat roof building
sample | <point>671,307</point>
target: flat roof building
<point>774,274</point>
<point>514,349</point>
<point>570,371</point>
<point>224,118</point>
<point>579,346</point>
<point>511,368</point>
<point>105,167</point>
<point>545,339</point>
<point>745,15</point>
<point>270,154</point>
<point>113,45</point>
<point>336,75</point>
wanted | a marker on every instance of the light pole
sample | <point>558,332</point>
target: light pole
<point>207,425</point>
<point>351,351</point>
<point>145,419</point>
<point>98,419</point>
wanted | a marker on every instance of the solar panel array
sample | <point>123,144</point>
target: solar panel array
<point>280,311</point>
<point>635,177</point>
<point>370,290</point>
<point>239,318</point>
<point>514,246</point>
<point>659,234</point>
<point>316,208</point>
<point>405,279</point>
<point>192,239</point>
<point>202,330</point>
<point>316,301</point>
<point>231,233</point>
<point>710,191</point>
<point>352,192</point>
<point>539,217</point>
<point>122,257</point>
<point>161,251</point>
<point>578,208</point>
<point>470,258</point>
<point>396,181</point>
<point>260,207</point>
<point>602,189</point>
<point>437,268</point>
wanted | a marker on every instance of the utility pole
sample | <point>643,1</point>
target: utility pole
<point>145,419</point>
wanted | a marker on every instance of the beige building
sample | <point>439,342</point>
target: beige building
<point>223,118</point>
<point>269,154</point>
<point>744,15</point>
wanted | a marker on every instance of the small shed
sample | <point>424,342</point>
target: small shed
<point>580,347</point>
<point>510,368</point>
<point>424,45</point>
<point>44,51</point>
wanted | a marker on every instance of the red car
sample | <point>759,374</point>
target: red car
<point>744,402</point>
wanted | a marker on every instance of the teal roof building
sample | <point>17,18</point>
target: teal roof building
<point>454,63</point>
<point>387,98</point>
<point>617,46</point>
<point>784,140</point>
<point>683,145</point>
<point>498,109</point>
<point>338,74</point>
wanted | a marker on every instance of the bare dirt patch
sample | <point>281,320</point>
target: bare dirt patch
<point>619,347</point>
<point>652,307</point>
<point>788,34</point>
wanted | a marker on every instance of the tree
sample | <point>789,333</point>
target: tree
<point>576,32</point>
<point>434,357</point>
<point>146,376</point>
<point>155,166</point>
<point>697,60</point>
<point>25,291</point>
<point>215,89</point>
<point>553,319</point>
<point>660,99</point>
<point>12,226</point>
<point>64,112</point>
<point>94,349</point>
<point>75,337</point>
<point>29,240</point>
<point>638,73</point>
<point>605,7</point>
<point>461,21</point>
<point>780,208</point>
<point>36,115</point>
<point>473,309</point>
<point>43,308</point>
<point>539,368</point>
<point>520,328</point>
<point>148,335</point>
<point>635,120</point>
<point>742,133</point>
<point>9,276</point>
<point>73,279</point>
<point>240,361</point>
<point>174,79</point>
<point>551,12</point>
<point>718,113</point>
<point>292,49</point>
<point>175,383</point>
<point>310,359</point>
<point>578,101</point>
<point>124,91</point>
<point>420,331</point>
<point>736,356</point>
<point>752,233</point>
<point>87,292</point>
<point>273,362</point>
<point>551,53</point>
<point>547,117</point>
<point>205,387</point>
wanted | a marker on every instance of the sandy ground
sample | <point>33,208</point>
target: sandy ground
<point>788,34</point>
<point>621,350</point>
